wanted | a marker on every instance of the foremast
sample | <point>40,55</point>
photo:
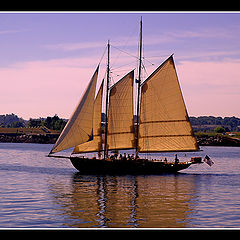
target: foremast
<point>138,90</point>
<point>107,100</point>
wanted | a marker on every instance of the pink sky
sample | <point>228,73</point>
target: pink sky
<point>212,88</point>
<point>47,60</point>
<point>43,88</point>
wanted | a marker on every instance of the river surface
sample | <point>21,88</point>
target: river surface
<point>41,192</point>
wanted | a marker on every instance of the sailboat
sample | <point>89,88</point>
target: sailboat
<point>162,124</point>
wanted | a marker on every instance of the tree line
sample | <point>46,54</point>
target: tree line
<point>228,123</point>
<point>13,121</point>
<point>56,123</point>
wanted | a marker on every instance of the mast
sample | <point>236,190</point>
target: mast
<point>139,84</point>
<point>106,113</point>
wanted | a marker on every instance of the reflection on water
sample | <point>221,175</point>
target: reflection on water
<point>36,191</point>
<point>126,201</point>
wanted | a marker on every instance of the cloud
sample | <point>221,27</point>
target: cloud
<point>3,32</point>
<point>119,42</point>
<point>75,46</point>
<point>156,39</point>
<point>210,55</point>
<point>202,33</point>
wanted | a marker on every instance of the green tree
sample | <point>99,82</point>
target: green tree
<point>54,123</point>
<point>34,122</point>
<point>220,130</point>
<point>16,124</point>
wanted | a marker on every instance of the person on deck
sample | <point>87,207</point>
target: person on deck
<point>176,159</point>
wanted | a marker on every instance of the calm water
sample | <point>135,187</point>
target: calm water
<point>41,192</point>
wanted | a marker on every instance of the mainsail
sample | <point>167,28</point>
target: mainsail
<point>96,144</point>
<point>120,116</point>
<point>79,127</point>
<point>164,123</point>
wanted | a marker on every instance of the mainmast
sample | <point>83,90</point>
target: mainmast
<point>106,113</point>
<point>139,84</point>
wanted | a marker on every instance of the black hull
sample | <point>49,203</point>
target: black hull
<point>142,166</point>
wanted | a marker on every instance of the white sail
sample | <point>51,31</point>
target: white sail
<point>120,114</point>
<point>164,123</point>
<point>95,144</point>
<point>79,127</point>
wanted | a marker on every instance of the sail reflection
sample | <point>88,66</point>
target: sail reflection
<point>102,199</point>
<point>126,201</point>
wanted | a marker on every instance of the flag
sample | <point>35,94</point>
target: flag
<point>208,160</point>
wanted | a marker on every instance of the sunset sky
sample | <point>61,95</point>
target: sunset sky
<point>47,59</point>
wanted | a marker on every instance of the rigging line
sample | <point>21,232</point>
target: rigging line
<point>144,58</point>
<point>159,56</point>
<point>136,57</point>
<point>125,43</point>
<point>124,52</point>
<point>143,66</point>
<point>130,63</point>
<point>103,55</point>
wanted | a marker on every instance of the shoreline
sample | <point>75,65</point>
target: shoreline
<point>218,140</point>
<point>27,138</point>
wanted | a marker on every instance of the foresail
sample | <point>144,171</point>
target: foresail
<point>120,114</point>
<point>79,127</point>
<point>164,123</point>
<point>95,144</point>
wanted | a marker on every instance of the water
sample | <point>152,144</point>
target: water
<point>41,192</point>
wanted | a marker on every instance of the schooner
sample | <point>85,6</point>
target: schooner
<point>162,123</point>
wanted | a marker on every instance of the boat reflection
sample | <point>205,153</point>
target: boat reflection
<point>127,201</point>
